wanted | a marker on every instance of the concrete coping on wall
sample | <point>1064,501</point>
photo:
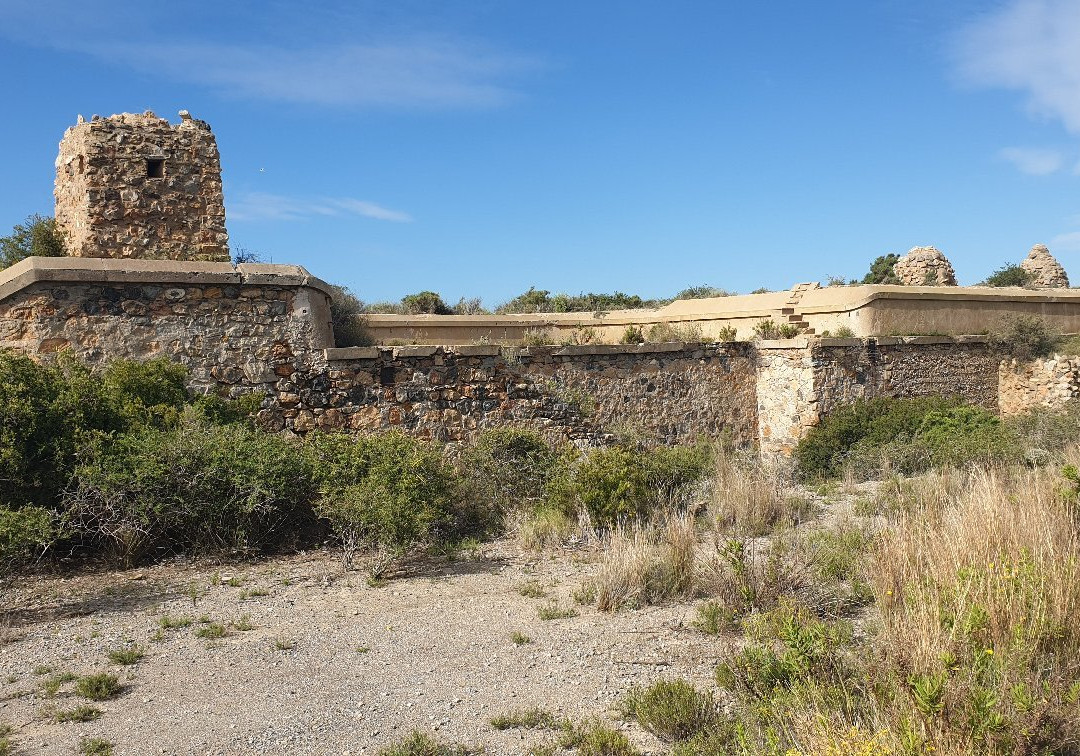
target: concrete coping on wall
<point>494,350</point>
<point>829,341</point>
<point>92,270</point>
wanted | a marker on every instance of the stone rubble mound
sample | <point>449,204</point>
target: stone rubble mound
<point>925,266</point>
<point>1046,272</point>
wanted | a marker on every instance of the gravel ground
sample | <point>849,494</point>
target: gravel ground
<point>332,665</point>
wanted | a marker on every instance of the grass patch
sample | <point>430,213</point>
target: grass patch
<point>81,713</point>
<point>127,656</point>
<point>532,589</point>
<point>95,747</point>
<point>51,685</point>
<point>593,738</point>
<point>244,624</point>
<point>529,719</point>
<point>99,687</point>
<point>211,631</point>
<point>553,611</point>
<point>284,644</point>
<point>419,743</point>
<point>169,622</point>
<point>520,638</point>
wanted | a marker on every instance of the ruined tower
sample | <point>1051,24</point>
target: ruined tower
<point>135,186</point>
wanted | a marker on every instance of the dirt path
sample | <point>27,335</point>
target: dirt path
<point>333,665</point>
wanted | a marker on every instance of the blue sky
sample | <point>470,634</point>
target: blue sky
<point>479,148</point>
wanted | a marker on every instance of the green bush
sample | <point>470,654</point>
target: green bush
<point>387,490</point>
<point>1025,337</point>
<point>617,483</point>
<point>37,236</point>
<point>347,318</point>
<point>425,303</point>
<point>194,488</point>
<point>869,424</point>
<point>418,743</point>
<point>509,469</point>
<point>1008,274</point>
<point>673,709</point>
<point>881,270</point>
<point>23,532</point>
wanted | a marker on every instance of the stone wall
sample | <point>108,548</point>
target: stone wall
<point>235,329</point>
<point>266,328</point>
<point>1046,382</point>
<point>801,382</point>
<point>667,393</point>
<point>135,186</point>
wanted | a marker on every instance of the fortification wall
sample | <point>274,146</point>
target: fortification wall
<point>266,328</point>
<point>1042,383</point>
<point>235,329</point>
<point>803,380</point>
<point>669,393</point>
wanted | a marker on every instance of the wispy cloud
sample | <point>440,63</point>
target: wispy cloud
<point>1067,242</point>
<point>1033,161</point>
<point>344,53</point>
<point>1030,46</point>
<point>423,73</point>
<point>265,206</point>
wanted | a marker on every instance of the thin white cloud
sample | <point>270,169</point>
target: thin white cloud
<point>1067,242</point>
<point>1032,46</point>
<point>265,206</point>
<point>341,52</point>
<point>418,73</point>
<point>1033,161</point>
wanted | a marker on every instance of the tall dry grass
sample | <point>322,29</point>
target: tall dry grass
<point>645,563</point>
<point>749,498</point>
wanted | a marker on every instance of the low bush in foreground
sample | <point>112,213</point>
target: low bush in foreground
<point>388,491</point>
<point>904,436</point>
<point>418,743</point>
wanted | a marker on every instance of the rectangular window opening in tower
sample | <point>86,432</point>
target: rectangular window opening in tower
<point>155,167</point>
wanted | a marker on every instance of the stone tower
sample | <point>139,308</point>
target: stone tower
<point>135,186</point>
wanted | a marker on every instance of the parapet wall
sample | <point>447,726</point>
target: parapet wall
<point>266,328</point>
<point>862,311</point>
<point>235,328</point>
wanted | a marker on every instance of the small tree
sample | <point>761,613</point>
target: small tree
<point>35,237</point>
<point>1008,275</point>
<point>347,318</point>
<point>425,303</point>
<point>881,270</point>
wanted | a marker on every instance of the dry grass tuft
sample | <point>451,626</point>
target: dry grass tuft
<point>646,564</point>
<point>750,498</point>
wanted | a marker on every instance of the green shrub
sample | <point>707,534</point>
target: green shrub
<point>347,318</point>
<point>387,490</point>
<point>509,469</point>
<point>670,332</point>
<point>24,532</point>
<point>633,335</point>
<point>881,270</point>
<point>99,687</point>
<point>672,709</point>
<point>425,303</point>
<point>1008,274</point>
<point>1025,337</point>
<point>193,489</point>
<point>617,483</point>
<point>37,236</point>
<point>871,424</point>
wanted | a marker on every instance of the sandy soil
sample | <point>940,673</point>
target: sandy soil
<point>332,665</point>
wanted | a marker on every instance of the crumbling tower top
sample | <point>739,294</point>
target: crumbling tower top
<point>135,186</point>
